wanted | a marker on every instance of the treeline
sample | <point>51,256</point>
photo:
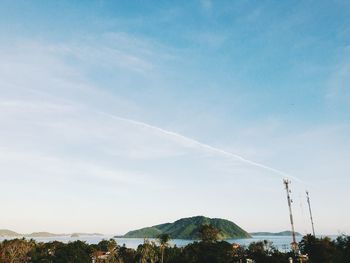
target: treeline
<point>208,250</point>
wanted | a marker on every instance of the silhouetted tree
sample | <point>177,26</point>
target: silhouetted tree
<point>163,241</point>
<point>75,252</point>
<point>148,252</point>
<point>15,250</point>
<point>208,233</point>
<point>319,250</point>
<point>342,245</point>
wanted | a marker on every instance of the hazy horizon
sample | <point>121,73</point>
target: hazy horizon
<point>121,115</point>
<point>121,234</point>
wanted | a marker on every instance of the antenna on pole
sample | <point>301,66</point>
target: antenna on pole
<point>312,221</point>
<point>294,243</point>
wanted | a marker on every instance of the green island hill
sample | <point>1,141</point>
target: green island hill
<point>188,228</point>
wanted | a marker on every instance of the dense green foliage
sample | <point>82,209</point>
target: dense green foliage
<point>319,250</point>
<point>324,250</point>
<point>208,233</point>
<point>188,228</point>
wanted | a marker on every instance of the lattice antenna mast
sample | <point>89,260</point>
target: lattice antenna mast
<point>312,220</point>
<point>294,243</point>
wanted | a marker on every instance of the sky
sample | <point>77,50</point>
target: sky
<point>116,115</point>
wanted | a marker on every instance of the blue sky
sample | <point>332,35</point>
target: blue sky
<point>118,115</point>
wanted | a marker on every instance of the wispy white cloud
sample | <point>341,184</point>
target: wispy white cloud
<point>189,142</point>
<point>54,134</point>
<point>45,107</point>
<point>65,130</point>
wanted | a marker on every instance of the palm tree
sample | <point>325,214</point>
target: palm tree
<point>112,248</point>
<point>147,252</point>
<point>164,242</point>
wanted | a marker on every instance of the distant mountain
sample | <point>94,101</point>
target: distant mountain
<point>10,233</point>
<point>188,228</point>
<point>43,234</point>
<point>283,233</point>
<point>86,234</point>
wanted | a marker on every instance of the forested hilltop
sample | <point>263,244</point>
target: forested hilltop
<point>188,228</point>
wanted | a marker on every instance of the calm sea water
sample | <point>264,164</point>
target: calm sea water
<point>281,242</point>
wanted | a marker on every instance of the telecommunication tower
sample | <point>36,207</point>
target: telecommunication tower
<point>294,242</point>
<point>312,221</point>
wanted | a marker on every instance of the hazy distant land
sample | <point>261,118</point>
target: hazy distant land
<point>283,233</point>
<point>184,228</point>
<point>10,233</point>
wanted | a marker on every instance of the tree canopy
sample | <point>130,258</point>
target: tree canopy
<point>209,249</point>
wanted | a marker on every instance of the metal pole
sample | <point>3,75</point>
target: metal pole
<point>312,221</point>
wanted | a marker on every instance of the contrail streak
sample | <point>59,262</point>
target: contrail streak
<point>201,145</point>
